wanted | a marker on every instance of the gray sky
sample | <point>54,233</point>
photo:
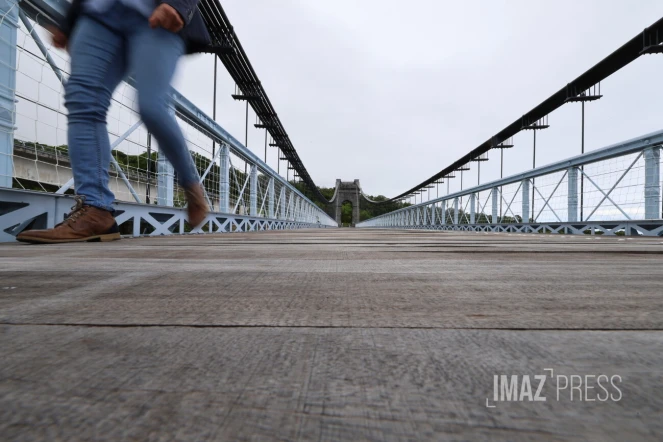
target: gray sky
<point>391,92</point>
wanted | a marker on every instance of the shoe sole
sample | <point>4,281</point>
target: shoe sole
<point>96,238</point>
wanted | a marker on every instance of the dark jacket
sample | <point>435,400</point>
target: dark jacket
<point>194,32</point>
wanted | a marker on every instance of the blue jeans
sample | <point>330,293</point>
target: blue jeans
<point>104,50</point>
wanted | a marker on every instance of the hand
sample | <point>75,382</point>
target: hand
<point>57,36</point>
<point>167,17</point>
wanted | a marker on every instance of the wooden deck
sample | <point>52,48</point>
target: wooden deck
<point>334,335</point>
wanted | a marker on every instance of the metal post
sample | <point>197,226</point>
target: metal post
<point>501,176</point>
<point>582,176</point>
<point>444,212</point>
<point>224,179</point>
<point>8,26</point>
<point>573,195</point>
<point>270,193</point>
<point>526,201</point>
<point>165,180</point>
<point>298,208</point>
<point>473,197</point>
<point>166,176</point>
<point>495,196</point>
<point>425,220</point>
<point>282,198</point>
<point>294,200</point>
<point>216,58</point>
<point>456,211</point>
<point>501,163</point>
<point>253,198</point>
<point>418,216</point>
<point>149,168</point>
<point>246,133</point>
<point>533,167</point>
<point>652,182</point>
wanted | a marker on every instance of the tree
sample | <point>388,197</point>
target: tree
<point>346,213</point>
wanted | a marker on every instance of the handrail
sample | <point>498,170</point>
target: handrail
<point>615,150</point>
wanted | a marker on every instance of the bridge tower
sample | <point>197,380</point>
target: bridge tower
<point>347,191</point>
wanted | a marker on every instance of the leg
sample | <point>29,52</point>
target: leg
<point>153,56</point>
<point>97,67</point>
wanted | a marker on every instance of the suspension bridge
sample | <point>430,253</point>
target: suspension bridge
<point>271,322</point>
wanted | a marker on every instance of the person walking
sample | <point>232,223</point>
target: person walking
<point>108,40</point>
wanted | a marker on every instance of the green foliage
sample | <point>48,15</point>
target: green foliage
<point>346,213</point>
<point>139,162</point>
<point>370,210</point>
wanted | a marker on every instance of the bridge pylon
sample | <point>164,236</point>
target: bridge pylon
<point>349,191</point>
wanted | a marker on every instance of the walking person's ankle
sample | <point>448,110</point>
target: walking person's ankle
<point>197,206</point>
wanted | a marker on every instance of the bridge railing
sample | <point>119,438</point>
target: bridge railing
<point>619,187</point>
<point>245,193</point>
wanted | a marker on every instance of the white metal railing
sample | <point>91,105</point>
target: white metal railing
<point>622,195</point>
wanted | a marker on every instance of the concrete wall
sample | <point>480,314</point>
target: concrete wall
<point>58,175</point>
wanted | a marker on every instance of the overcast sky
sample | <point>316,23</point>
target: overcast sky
<point>391,92</point>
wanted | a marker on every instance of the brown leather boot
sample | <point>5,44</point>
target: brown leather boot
<point>84,223</point>
<point>196,205</point>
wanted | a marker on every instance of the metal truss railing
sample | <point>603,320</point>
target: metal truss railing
<point>623,196</point>
<point>40,210</point>
<point>34,155</point>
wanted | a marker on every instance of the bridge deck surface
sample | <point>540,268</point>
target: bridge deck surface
<point>328,335</point>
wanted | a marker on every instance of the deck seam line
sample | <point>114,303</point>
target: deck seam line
<point>88,325</point>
